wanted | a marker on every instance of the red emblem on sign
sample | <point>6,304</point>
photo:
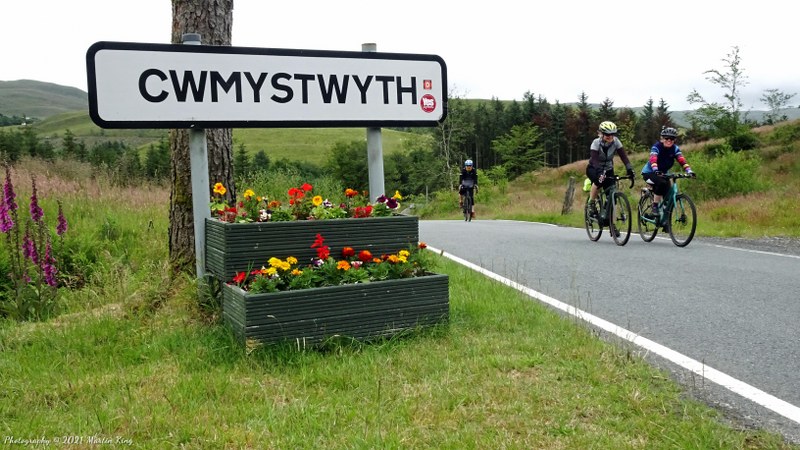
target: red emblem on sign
<point>427,85</point>
<point>428,103</point>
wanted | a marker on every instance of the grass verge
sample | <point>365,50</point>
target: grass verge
<point>505,373</point>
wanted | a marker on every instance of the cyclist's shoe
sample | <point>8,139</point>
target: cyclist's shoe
<point>593,210</point>
<point>616,232</point>
<point>653,213</point>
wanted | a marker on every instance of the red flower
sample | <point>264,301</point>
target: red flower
<point>318,241</point>
<point>348,252</point>
<point>423,245</point>
<point>307,187</point>
<point>240,277</point>
<point>323,251</point>
<point>365,256</point>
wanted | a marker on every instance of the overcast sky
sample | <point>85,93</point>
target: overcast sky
<point>627,51</point>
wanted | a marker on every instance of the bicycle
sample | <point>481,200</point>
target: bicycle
<point>678,215</point>
<point>469,200</point>
<point>619,209</point>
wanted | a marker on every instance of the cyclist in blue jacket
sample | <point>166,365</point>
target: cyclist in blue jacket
<point>663,155</point>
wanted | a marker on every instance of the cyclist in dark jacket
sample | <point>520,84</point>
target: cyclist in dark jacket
<point>601,160</point>
<point>663,155</point>
<point>467,182</point>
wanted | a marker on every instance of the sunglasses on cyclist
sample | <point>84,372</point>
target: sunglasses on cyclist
<point>607,135</point>
<point>669,138</point>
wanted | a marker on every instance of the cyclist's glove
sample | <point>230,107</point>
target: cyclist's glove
<point>658,173</point>
<point>630,172</point>
<point>691,173</point>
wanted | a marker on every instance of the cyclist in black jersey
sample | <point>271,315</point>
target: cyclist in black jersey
<point>601,160</point>
<point>468,181</point>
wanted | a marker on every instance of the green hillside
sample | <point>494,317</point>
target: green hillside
<point>29,98</point>
<point>294,144</point>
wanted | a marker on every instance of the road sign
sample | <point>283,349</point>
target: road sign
<point>136,85</point>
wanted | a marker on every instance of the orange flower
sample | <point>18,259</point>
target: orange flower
<point>348,252</point>
<point>219,189</point>
<point>343,265</point>
<point>422,245</point>
<point>350,192</point>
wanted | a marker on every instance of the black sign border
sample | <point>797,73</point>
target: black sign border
<point>202,124</point>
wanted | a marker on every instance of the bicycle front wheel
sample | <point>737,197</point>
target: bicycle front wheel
<point>592,223</point>
<point>620,223</point>
<point>682,220</point>
<point>468,208</point>
<point>647,227</point>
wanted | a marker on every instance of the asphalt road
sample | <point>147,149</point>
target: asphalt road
<point>734,310</point>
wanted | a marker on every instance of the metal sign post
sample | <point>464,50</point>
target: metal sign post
<point>374,149</point>
<point>201,193</point>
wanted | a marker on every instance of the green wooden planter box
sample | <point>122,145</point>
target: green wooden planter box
<point>236,247</point>
<point>361,311</point>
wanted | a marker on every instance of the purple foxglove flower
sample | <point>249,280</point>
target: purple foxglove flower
<point>61,228</point>
<point>36,210</point>
<point>29,248</point>
<point>49,267</point>
<point>6,223</point>
<point>8,192</point>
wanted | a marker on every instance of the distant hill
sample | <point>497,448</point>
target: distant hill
<point>30,98</point>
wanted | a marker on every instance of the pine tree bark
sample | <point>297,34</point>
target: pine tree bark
<point>213,20</point>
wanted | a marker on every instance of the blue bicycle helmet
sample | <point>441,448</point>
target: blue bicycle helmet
<point>468,163</point>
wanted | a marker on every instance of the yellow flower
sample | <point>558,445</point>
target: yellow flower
<point>248,194</point>
<point>403,253</point>
<point>317,200</point>
<point>291,260</point>
<point>285,266</point>
<point>402,259</point>
<point>397,195</point>
<point>220,189</point>
<point>274,262</point>
<point>272,271</point>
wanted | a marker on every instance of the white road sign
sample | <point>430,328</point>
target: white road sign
<point>135,85</point>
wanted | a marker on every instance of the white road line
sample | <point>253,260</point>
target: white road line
<point>758,396</point>
<point>754,251</point>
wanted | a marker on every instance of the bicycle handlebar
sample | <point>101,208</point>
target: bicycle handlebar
<point>626,177</point>
<point>678,175</point>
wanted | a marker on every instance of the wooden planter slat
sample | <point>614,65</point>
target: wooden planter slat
<point>236,247</point>
<point>361,311</point>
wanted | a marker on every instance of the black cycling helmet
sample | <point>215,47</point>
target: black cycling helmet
<point>669,132</point>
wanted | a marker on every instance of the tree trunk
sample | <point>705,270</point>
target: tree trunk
<point>213,20</point>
